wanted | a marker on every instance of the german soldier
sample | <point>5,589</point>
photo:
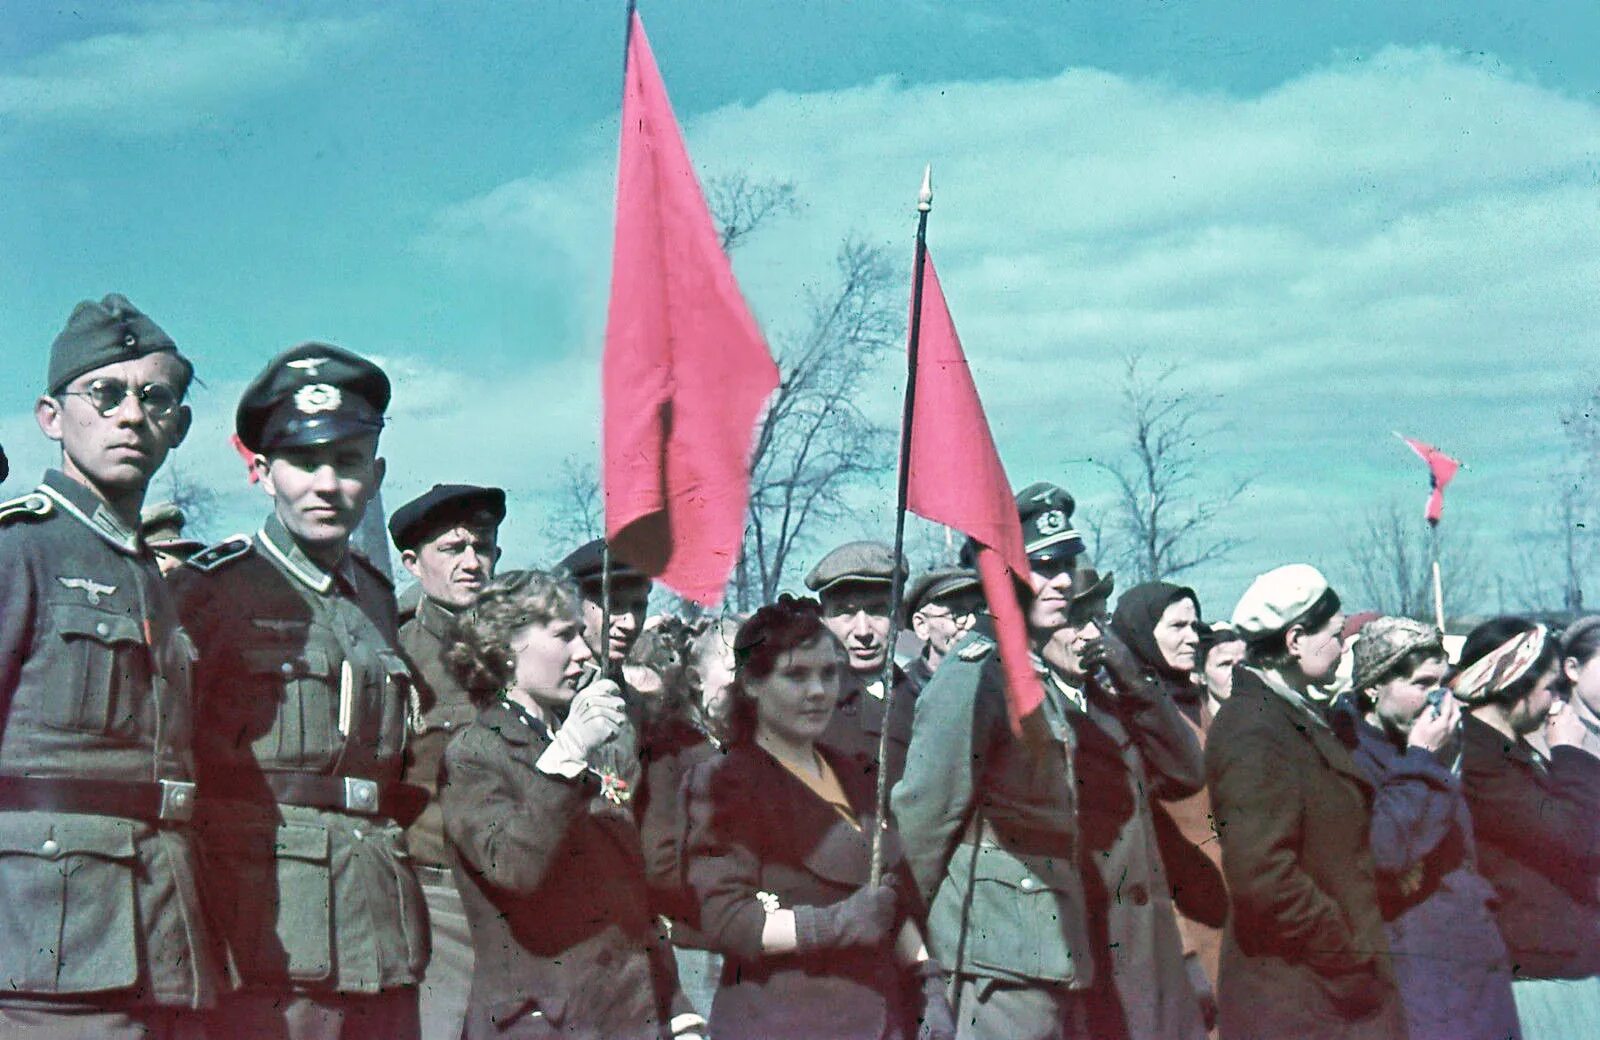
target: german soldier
<point>303,710</point>
<point>101,933</point>
<point>447,539</point>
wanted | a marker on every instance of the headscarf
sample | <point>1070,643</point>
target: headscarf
<point>1138,612</point>
<point>1501,667</point>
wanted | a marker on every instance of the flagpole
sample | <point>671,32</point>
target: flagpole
<point>897,581</point>
<point>1438,585</point>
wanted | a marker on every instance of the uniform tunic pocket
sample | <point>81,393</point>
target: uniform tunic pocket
<point>1014,922</point>
<point>273,898</point>
<point>67,921</point>
<point>106,678</point>
<point>297,697</point>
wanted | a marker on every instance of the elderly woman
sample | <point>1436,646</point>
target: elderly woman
<point>541,837</point>
<point>1451,963</point>
<point>1304,953</point>
<point>779,847</point>
<point>1537,821</point>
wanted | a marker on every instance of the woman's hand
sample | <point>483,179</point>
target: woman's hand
<point>1563,727</point>
<point>865,919</point>
<point>1435,728</point>
<point>596,715</point>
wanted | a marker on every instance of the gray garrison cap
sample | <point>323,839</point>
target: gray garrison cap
<point>104,333</point>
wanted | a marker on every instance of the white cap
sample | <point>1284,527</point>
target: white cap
<point>1277,599</point>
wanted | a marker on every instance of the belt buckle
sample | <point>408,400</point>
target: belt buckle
<point>361,795</point>
<point>177,800</point>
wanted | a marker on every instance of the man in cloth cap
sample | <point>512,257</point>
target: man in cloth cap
<point>1303,952</point>
<point>102,933</point>
<point>304,700</point>
<point>161,527</point>
<point>989,820</point>
<point>854,585</point>
<point>448,539</point>
<point>941,606</point>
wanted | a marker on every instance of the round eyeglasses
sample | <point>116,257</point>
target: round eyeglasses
<point>106,395</point>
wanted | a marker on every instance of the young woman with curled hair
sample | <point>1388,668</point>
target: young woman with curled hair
<point>541,838</point>
<point>1537,820</point>
<point>779,848</point>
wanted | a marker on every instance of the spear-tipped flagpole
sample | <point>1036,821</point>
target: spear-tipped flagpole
<point>897,584</point>
<point>1433,553</point>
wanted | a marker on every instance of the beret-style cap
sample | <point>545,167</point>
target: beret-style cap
<point>415,520</point>
<point>1277,599</point>
<point>855,562</point>
<point>935,585</point>
<point>315,393</point>
<point>104,333</point>
<point>585,563</point>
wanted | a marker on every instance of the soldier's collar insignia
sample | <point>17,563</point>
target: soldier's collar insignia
<point>317,397</point>
<point>212,557</point>
<point>89,587</point>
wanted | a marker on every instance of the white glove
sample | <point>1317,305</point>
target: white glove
<point>595,716</point>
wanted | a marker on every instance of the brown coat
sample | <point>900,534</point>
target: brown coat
<point>1193,856</point>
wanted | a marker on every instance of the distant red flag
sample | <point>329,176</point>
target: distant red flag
<point>956,479</point>
<point>1441,470</point>
<point>686,370</point>
<point>247,455</point>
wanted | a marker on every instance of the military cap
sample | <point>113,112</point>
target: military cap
<point>103,333</point>
<point>415,520</point>
<point>936,585</point>
<point>1045,511</point>
<point>866,562</point>
<point>1295,593</point>
<point>315,393</point>
<point>585,564</point>
<point>161,527</point>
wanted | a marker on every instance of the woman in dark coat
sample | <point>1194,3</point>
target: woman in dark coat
<point>779,848</point>
<point>1304,953</point>
<point>541,838</point>
<point>1538,823</point>
<point>1451,963</point>
<point>1133,746</point>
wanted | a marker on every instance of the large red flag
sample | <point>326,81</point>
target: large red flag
<point>956,479</point>
<point>1441,470</point>
<point>686,370</point>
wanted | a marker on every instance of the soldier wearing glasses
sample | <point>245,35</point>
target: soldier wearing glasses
<point>101,933</point>
<point>989,819</point>
<point>304,700</point>
<point>941,607</point>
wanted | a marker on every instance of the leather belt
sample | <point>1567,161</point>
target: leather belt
<point>159,801</point>
<point>402,803</point>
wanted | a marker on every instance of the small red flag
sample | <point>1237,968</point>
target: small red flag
<point>1441,470</point>
<point>686,369</point>
<point>956,479</point>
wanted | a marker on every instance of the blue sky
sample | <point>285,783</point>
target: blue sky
<point>1341,218</point>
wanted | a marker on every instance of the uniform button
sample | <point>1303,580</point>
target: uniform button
<point>1139,895</point>
<point>358,833</point>
<point>51,847</point>
<point>1028,884</point>
<point>130,340</point>
<point>286,668</point>
<point>102,628</point>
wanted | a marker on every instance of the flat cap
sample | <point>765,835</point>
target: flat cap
<point>1383,642</point>
<point>855,562</point>
<point>1045,511</point>
<point>441,505</point>
<point>1280,598</point>
<point>161,527</point>
<point>103,333</point>
<point>585,563</point>
<point>315,393</point>
<point>935,585</point>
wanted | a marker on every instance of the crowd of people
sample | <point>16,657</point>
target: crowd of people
<point>247,791</point>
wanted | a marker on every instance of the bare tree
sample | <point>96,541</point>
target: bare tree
<point>1391,559</point>
<point>1552,577</point>
<point>199,502</point>
<point>1161,524</point>
<point>575,515</point>
<point>741,206</point>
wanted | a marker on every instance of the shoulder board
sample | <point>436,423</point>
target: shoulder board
<point>372,568</point>
<point>214,556</point>
<point>977,648</point>
<point>34,505</point>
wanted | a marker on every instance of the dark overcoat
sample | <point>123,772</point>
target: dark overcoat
<point>757,836</point>
<point>1304,954</point>
<point>552,880</point>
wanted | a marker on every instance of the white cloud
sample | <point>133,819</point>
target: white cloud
<point>172,66</point>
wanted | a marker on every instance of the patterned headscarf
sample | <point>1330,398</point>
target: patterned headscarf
<point>1500,667</point>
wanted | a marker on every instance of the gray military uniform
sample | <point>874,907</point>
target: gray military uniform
<point>303,707</point>
<point>97,908</point>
